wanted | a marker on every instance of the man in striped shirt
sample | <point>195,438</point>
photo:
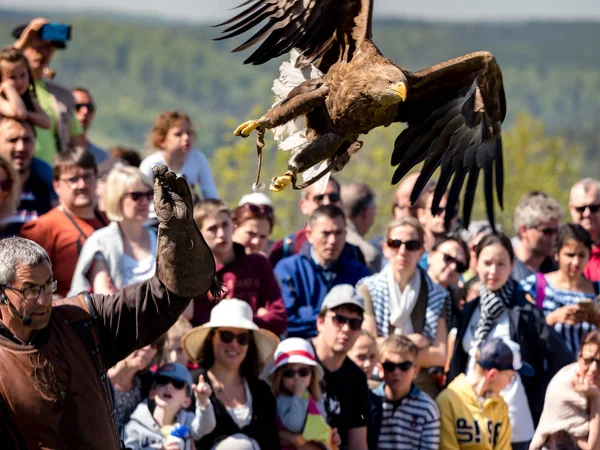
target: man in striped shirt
<point>411,419</point>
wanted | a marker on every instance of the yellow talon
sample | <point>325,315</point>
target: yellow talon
<point>280,183</point>
<point>246,128</point>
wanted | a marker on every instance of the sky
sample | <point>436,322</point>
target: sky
<point>455,10</point>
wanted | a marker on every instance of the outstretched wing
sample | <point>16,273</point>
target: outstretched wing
<point>325,31</point>
<point>454,111</point>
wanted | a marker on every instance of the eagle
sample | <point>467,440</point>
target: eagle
<point>453,110</point>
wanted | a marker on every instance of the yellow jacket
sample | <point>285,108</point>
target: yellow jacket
<point>469,424</point>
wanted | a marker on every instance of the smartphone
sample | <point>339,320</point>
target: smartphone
<point>56,32</point>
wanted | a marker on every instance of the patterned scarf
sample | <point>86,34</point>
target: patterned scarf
<point>492,305</point>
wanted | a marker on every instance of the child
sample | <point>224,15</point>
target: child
<point>295,379</point>
<point>153,420</point>
<point>17,91</point>
<point>404,406</point>
<point>173,346</point>
<point>173,135</point>
<point>473,414</point>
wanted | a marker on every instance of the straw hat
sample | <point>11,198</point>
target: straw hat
<point>232,313</point>
<point>295,351</point>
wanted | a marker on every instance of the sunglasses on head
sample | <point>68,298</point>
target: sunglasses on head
<point>461,267</point>
<point>302,372</point>
<point>594,208</point>
<point>137,196</point>
<point>411,246</point>
<point>404,366</point>
<point>6,185</point>
<point>90,106</point>
<point>341,320</point>
<point>259,210</point>
<point>227,337</point>
<point>333,198</point>
<point>163,381</point>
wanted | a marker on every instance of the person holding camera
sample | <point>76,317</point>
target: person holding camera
<point>38,40</point>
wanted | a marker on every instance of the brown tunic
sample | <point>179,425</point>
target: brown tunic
<point>51,390</point>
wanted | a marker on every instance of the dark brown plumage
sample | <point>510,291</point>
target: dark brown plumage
<point>454,110</point>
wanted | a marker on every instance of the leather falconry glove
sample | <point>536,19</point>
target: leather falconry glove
<point>184,262</point>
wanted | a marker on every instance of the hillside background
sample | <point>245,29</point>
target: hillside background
<point>138,67</point>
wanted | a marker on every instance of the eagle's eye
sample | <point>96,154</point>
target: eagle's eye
<point>390,82</point>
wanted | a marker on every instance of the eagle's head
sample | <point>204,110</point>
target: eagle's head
<point>388,84</point>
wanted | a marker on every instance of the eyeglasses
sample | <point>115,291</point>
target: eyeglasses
<point>32,293</point>
<point>594,208</point>
<point>333,198</point>
<point>163,381</point>
<point>137,196</point>
<point>90,106</point>
<point>589,361</point>
<point>412,245</point>
<point>550,231</point>
<point>227,337</point>
<point>461,267</point>
<point>341,320</point>
<point>6,185</point>
<point>259,210</point>
<point>404,366</point>
<point>86,177</point>
<point>302,372</point>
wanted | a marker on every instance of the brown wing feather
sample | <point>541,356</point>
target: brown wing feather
<point>454,112</point>
<point>324,31</point>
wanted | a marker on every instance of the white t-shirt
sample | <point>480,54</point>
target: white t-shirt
<point>195,170</point>
<point>135,271</point>
<point>514,394</point>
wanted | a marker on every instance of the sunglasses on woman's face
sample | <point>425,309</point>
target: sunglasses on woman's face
<point>227,337</point>
<point>340,320</point>
<point>412,245</point>
<point>461,267</point>
<point>137,196</point>
<point>302,372</point>
<point>259,210</point>
<point>404,366</point>
<point>589,361</point>
<point>163,381</point>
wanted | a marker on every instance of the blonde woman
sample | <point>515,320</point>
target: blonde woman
<point>124,252</point>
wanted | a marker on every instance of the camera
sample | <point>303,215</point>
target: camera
<point>55,32</point>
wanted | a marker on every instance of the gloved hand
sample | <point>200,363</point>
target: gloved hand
<point>184,262</point>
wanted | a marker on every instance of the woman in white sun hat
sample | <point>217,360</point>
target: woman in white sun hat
<point>235,405</point>
<point>295,381</point>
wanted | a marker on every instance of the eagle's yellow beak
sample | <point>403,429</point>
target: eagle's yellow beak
<point>401,90</point>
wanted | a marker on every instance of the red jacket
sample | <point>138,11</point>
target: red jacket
<point>592,270</point>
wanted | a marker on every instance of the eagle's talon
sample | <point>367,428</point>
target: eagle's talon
<point>280,183</point>
<point>245,129</point>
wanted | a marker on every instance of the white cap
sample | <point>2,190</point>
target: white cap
<point>295,351</point>
<point>256,198</point>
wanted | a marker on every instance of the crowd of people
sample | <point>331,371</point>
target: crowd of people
<point>418,339</point>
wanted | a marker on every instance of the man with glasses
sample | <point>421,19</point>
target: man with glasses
<point>85,111</point>
<point>310,201</point>
<point>54,390</point>
<point>17,144</point>
<point>537,218</point>
<point>345,395</point>
<point>54,99</point>
<point>63,230</point>
<point>584,206</point>
<point>307,277</point>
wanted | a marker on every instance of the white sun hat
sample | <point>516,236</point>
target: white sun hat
<point>231,313</point>
<point>295,351</point>
<point>256,198</point>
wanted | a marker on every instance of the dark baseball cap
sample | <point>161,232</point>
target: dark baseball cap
<point>176,371</point>
<point>16,33</point>
<point>503,354</point>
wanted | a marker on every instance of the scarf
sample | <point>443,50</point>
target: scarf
<point>403,302</point>
<point>492,305</point>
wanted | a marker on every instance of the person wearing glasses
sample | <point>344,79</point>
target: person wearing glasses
<point>235,409</point>
<point>571,416</point>
<point>473,414</point>
<point>62,231</point>
<point>502,311</point>
<point>85,112</point>
<point>402,299</point>
<point>253,223</point>
<point>584,206</point>
<point>536,221</point>
<point>448,260</point>
<point>410,418</point>
<point>566,296</point>
<point>124,252</point>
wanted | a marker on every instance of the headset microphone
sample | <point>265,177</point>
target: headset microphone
<point>25,318</point>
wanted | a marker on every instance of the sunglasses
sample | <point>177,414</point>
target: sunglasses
<point>404,366</point>
<point>589,361</point>
<point>90,106</point>
<point>550,231</point>
<point>593,208</point>
<point>302,372</point>
<point>137,196</point>
<point>163,381</point>
<point>6,185</point>
<point>461,267</point>
<point>412,245</point>
<point>227,337</point>
<point>259,210</point>
<point>333,198</point>
<point>341,320</point>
